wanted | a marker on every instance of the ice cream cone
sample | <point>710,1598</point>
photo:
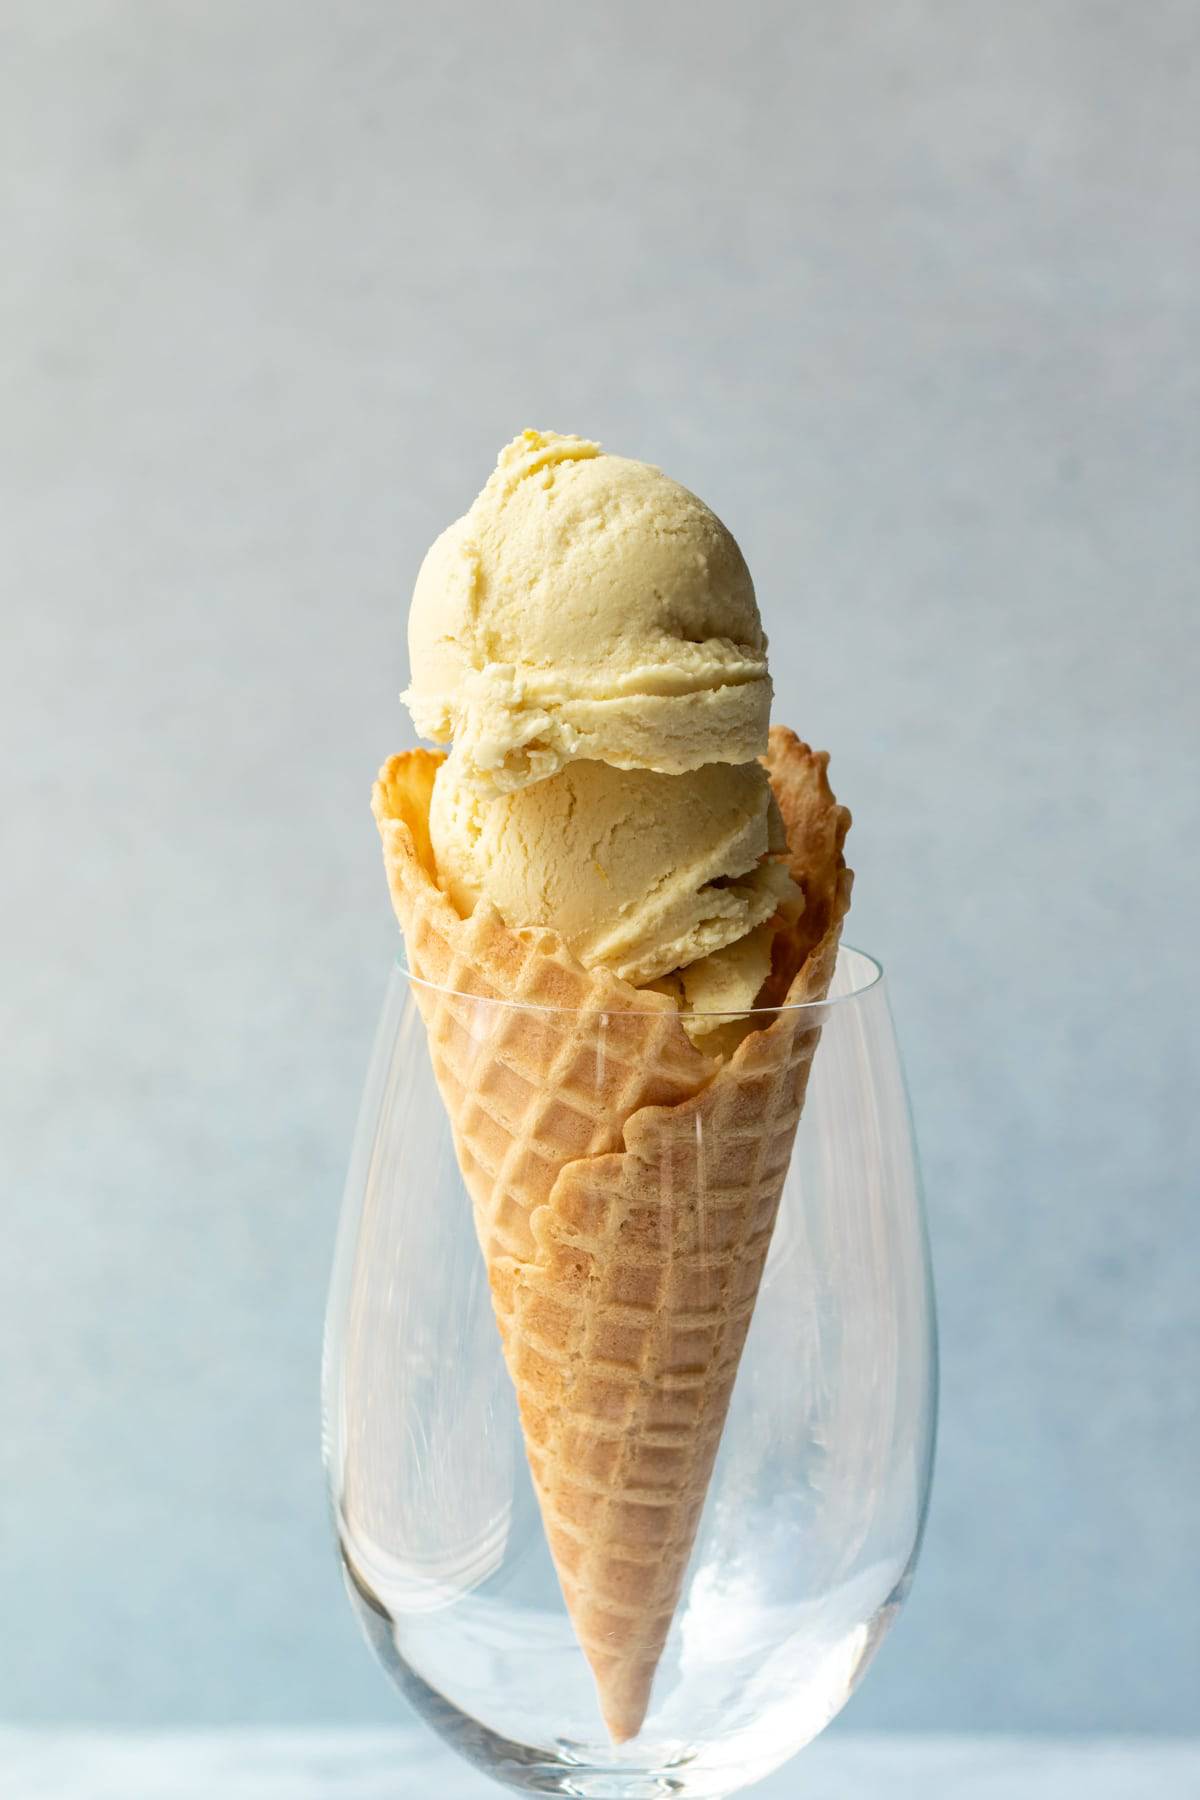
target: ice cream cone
<point>625,1188</point>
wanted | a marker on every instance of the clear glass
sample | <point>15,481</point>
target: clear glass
<point>816,1504</point>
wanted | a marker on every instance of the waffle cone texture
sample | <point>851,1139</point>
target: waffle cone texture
<point>624,1188</point>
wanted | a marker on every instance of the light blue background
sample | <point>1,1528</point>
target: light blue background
<point>910,292</point>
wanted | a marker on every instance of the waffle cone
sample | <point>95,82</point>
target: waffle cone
<point>625,1188</point>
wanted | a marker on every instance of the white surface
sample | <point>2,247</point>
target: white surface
<point>409,1765</point>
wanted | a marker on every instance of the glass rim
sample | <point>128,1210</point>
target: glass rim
<point>872,977</point>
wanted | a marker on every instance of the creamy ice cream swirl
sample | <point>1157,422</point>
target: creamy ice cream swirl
<point>587,637</point>
<point>586,608</point>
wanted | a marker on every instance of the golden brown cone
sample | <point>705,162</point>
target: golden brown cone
<point>625,1188</point>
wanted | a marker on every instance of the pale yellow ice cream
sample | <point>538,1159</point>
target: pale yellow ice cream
<point>641,872</point>
<point>586,608</point>
<point>588,637</point>
<point>715,993</point>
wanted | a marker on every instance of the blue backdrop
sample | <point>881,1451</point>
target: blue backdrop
<point>909,293</point>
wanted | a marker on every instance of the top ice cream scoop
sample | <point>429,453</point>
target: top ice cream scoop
<point>586,608</point>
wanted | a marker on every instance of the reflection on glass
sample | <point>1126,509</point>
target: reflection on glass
<point>813,1515</point>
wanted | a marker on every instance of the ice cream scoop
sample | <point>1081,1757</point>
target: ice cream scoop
<point>588,637</point>
<point>638,872</point>
<point>586,608</point>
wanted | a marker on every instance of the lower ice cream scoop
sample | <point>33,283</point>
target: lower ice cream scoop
<point>638,872</point>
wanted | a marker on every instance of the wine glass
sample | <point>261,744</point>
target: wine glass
<point>815,1508</point>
